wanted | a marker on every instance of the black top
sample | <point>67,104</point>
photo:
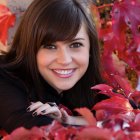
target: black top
<point>14,100</point>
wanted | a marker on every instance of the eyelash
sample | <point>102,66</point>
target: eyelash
<point>73,45</point>
<point>78,45</point>
<point>50,46</point>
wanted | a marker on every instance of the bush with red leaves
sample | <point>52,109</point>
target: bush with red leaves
<point>118,117</point>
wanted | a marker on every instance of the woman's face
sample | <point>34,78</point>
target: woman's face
<point>63,63</point>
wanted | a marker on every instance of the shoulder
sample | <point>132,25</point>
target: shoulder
<point>7,79</point>
<point>12,91</point>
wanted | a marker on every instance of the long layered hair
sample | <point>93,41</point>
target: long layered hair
<point>48,21</point>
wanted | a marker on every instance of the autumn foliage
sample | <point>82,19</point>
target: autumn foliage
<point>118,117</point>
<point>7,19</point>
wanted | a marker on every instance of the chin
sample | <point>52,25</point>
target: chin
<point>64,88</point>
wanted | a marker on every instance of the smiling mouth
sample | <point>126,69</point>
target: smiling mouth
<point>64,73</point>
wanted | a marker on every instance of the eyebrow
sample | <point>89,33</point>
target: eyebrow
<point>72,40</point>
<point>75,39</point>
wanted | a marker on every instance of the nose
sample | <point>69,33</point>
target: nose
<point>64,57</point>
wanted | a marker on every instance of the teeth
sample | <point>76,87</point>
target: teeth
<point>63,72</point>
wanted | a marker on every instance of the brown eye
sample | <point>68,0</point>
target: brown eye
<point>50,46</point>
<point>76,45</point>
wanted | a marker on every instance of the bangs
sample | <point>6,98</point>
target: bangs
<point>61,24</point>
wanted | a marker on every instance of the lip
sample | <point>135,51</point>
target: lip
<point>66,75</point>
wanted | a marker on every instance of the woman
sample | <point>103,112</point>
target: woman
<point>54,58</point>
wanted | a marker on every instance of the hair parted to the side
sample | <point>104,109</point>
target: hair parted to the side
<point>47,21</point>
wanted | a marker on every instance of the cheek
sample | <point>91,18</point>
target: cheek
<point>84,58</point>
<point>85,62</point>
<point>42,59</point>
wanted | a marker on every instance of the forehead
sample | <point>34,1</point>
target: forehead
<point>82,33</point>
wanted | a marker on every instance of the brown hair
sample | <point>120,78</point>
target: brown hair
<point>47,21</point>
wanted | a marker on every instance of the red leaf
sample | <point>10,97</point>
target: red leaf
<point>105,89</point>
<point>7,19</point>
<point>57,131</point>
<point>136,96</point>
<point>126,13</point>
<point>112,106</point>
<point>120,135</point>
<point>21,134</point>
<point>115,104</point>
<point>102,87</point>
<point>66,109</point>
<point>124,84</point>
<point>113,123</point>
<point>52,129</point>
<point>65,133</point>
<point>135,135</point>
<point>87,114</point>
<point>3,133</point>
<point>94,133</point>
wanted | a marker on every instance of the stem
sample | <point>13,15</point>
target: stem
<point>105,5</point>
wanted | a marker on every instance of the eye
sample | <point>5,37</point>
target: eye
<point>50,46</point>
<point>76,45</point>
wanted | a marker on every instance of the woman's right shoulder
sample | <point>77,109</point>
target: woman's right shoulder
<point>3,73</point>
<point>7,79</point>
